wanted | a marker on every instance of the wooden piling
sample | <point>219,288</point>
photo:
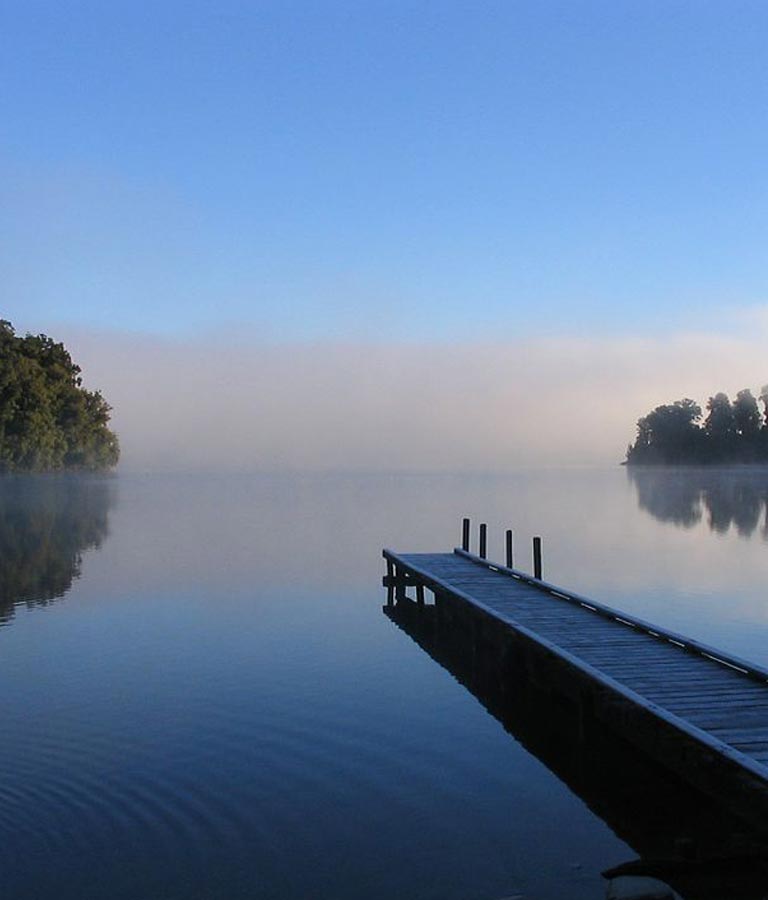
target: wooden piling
<point>400,575</point>
<point>465,535</point>
<point>510,563</point>
<point>537,558</point>
<point>483,553</point>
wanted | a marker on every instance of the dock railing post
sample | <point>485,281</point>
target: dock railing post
<point>509,555</point>
<point>483,541</point>
<point>537,558</point>
<point>465,535</point>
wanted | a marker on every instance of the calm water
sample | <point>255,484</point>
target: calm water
<point>202,698</point>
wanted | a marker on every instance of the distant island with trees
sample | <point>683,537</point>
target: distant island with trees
<point>48,421</point>
<point>731,432</point>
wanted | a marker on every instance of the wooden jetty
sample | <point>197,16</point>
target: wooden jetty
<point>681,836</point>
<point>698,711</point>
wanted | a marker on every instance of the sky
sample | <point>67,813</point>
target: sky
<point>339,203</point>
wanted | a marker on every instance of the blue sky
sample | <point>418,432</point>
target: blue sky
<point>408,171</point>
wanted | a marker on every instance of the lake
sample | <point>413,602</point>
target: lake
<point>202,697</point>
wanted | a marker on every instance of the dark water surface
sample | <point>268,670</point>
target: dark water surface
<point>201,697</point>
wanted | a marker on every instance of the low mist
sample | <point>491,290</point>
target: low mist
<point>242,404</point>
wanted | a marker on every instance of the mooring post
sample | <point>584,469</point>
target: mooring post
<point>537,558</point>
<point>465,535</point>
<point>510,558</point>
<point>483,541</point>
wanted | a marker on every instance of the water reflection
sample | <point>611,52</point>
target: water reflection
<point>681,837</point>
<point>722,498</point>
<point>45,525</point>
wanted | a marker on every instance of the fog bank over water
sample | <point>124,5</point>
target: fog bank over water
<point>242,404</point>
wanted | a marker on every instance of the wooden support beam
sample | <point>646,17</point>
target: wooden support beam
<point>400,593</point>
<point>389,579</point>
<point>397,580</point>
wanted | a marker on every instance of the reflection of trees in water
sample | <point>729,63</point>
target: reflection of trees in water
<point>45,525</point>
<point>723,498</point>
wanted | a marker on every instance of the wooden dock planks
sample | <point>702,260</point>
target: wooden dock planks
<point>711,698</point>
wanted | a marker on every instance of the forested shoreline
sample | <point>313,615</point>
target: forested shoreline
<point>48,421</point>
<point>679,434</point>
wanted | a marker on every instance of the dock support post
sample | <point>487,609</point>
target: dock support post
<point>390,583</point>
<point>483,541</point>
<point>420,594</point>
<point>510,559</point>
<point>465,535</point>
<point>400,593</point>
<point>537,558</point>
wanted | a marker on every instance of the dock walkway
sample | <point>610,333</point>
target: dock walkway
<point>704,711</point>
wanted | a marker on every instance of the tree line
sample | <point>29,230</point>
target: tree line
<point>48,420</point>
<point>679,433</point>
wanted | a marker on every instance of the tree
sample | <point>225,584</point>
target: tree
<point>48,421</point>
<point>746,415</point>
<point>720,422</point>
<point>668,434</point>
<point>720,428</point>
